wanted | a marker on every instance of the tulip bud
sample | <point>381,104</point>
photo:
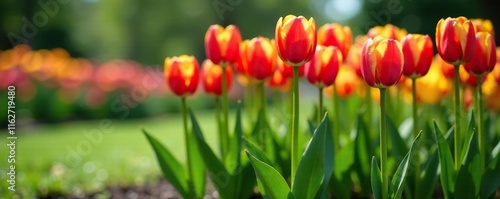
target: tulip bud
<point>346,83</point>
<point>455,40</point>
<point>279,82</point>
<point>381,62</point>
<point>336,35</point>
<point>259,56</point>
<point>295,39</point>
<point>484,59</point>
<point>418,53</point>
<point>182,74</point>
<point>483,25</point>
<point>287,70</point>
<point>323,68</point>
<point>468,79</point>
<point>212,77</point>
<point>222,45</point>
<point>388,31</point>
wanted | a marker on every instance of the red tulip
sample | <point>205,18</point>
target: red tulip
<point>483,25</point>
<point>295,39</point>
<point>287,70</point>
<point>212,77</point>
<point>418,53</point>
<point>353,59</point>
<point>388,31</point>
<point>222,45</point>
<point>182,74</point>
<point>259,57</point>
<point>469,79</point>
<point>484,59</point>
<point>279,82</point>
<point>323,68</point>
<point>381,62</point>
<point>455,40</point>
<point>336,35</point>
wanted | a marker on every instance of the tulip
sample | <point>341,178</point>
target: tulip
<point>483,25</point>
<point>448,70</point>
<point>353,60</point>
<point>296,43</point>
<point>212,77</point>
<point>484,59</point>
<point>381,62</point>
<point>491,91</point>
<point>287,70</point>
<point>222,44</point>
<point>468,79</point>
<point>418,53</point>
<point>259,57</point>
<point>388,31</point>
<point>455,40</point>
<point>496,70</point>
<point>381,67</point>
<point>433,86</point>
<point>336,35</point>
<point>279,82</point>
<point>346,83</point>
<point>182,74</point>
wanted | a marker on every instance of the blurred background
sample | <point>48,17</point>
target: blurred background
<point>76,60</point>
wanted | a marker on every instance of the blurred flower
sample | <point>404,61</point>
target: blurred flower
<point>388,31</point>
<point>279,82</point>
<point>447,69</point>
<point>287,70</point>
<point>484,58</point>
<point>354,59</point>
<point>222,44</point>
<point>258,57</point>
<point>491,92</point>
<point>496,70</point>
<point>346,83</point>
<point>322,69</point>
<point>295,39</point>
<point>381,62</point>
<point>467,97</point>
<point>336,35</point>
<point>455,40</point>
<point>182,74</point>
<point>432,88</point>
<point>483,25</point>
<point>468,79</point>
<point>418,53</point>
<point>212,77</point>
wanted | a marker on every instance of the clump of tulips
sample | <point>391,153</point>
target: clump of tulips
<point>338,151</point>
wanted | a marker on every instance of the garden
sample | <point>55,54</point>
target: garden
<point>390,104</point>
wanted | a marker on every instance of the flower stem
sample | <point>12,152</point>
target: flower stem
<point>295,124</point>
<point>336,122</point>
<point>479,114</point>
<point>320,106</point>
<point>415,130</point>
<point>457,118</point>
<point>249,104</point>
<point>225,124</point>
<point>262,108</point>
<point>186,139</point>
<point>219,123</point>
<point>383,144</point>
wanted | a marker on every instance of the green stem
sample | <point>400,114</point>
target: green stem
<point>320,106</point>
<point>219,124</point>
<point>369,109</point>
<point>225,124</point>
<point>415,131</point>
<point>295,125</point>
<point>187,138</point>
<point>336,122</point>
<point>383,144</point>
<point>249,104</point>
<point>262,108</point>
<point>480,131</point>
<point>457,119</point>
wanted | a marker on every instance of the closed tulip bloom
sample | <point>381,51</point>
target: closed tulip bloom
<point>418,53</point>
<point>388,31</point>
<point>468,79</point>
<point>346,83</point>
<point>335,35</point>
<point>212,77</point>
<point>485,57</point>
<point>222,44</point>
<point>483,25</point>
<point>182,74</point>
<point>496,70</point>
<point>323,68</point>
<point>259,56</point>
<point>295,39</point>
<point>455,40</point>
<point>287,70</point>
<point>381,62</point>
<point>279,82</point>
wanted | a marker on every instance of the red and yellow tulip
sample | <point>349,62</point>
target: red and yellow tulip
<point>182,74</point>
<point>295,39</point>
<point>455,40</point>
<point>381,62</point>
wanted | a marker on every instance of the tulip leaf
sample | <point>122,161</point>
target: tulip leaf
<point>234,154</point>
<point>344,159</point>
<point>399,147</point>
<point>471,128</point>
<point>491,178</point>
<point>256,151</point>
<point>428,179</point>
<point>376,180</point>
<point>246,178</point>
<point>216,171</point>
<point>197,168</point>
<point>398,180</point>
<point>172,170</point>
<point>362,151</point>
<point>447,175</point>
<point>329,156</point>
<point>274,185</point>
<point>469,178</point>
<point>312,168</point>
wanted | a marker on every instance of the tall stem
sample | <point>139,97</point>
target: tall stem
<point>262,108</point>
<point>383,144</point>
<point>219,124</point>
<point>186,139</point>
<point>480,131</point>
<point>415,130</point>
<point>457,118</point>
<point>295,124</point>
<point>248,103</point>
<point>225,124</point>
<point>320,106</point>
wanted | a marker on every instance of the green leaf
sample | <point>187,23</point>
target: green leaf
<point>491,178</point>
<point>247,180</point>
<point>233,157</point>
<point>328,162</point>
<point>311,171</point>
<point>376,180</point>
<point>256,151</point>
<point>362,151</point>
<point>398,180</point>
<point>197,168</point>
<point>447,175</point>
<point>468,134</point>
<point>272,181</point>
<point>469,177</point>
<point>172,170</point>
<point>344,159</point>
<point>399,147</point>
<point>428,179</point>
<point>218,174</point>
